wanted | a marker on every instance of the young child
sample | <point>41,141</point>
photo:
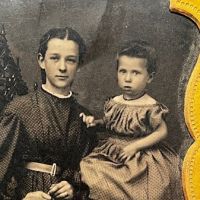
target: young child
<point>133,164</point>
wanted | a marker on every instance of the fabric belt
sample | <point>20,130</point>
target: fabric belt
<point>40,167</point>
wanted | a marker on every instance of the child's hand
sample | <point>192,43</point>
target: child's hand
<point>128,152</point>
<point>62,190</point>
<point>89,120</point>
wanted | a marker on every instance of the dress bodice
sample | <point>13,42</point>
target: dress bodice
<point>133,120</point>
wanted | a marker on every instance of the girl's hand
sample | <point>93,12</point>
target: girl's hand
<point>62,190</point>
<point>129,152</point>
<point>38,195</point>
<point>89,120</point>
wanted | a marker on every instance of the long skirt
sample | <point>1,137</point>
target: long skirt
<point>152,174</point>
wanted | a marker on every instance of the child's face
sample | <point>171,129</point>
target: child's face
<point>132,74</point>
<point>60,64</point>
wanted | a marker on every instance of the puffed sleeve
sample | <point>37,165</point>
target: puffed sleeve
<point>10,128</point>
<point>157,114</point>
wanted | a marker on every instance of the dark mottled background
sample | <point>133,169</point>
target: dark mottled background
<point>106,24</point>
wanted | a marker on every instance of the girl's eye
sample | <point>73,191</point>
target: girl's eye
<point>54,58</point>
<point>71,60</point>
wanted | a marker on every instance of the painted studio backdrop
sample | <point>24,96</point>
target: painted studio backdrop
<point>105,25</point>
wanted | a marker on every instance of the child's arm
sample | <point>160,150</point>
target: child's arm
<point>90,121</point>
<point>159,134</point>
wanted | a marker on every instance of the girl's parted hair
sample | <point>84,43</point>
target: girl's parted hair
<point>61,33</point>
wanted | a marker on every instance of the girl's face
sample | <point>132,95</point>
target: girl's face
<point>133,76</point>
<point>60,64</point>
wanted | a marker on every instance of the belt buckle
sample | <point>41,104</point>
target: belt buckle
<point>53,169</point>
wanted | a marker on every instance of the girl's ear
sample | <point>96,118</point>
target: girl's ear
<point>151,76</point>
<point>41,60</point>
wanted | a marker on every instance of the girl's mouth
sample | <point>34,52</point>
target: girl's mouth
<point>61,76</point>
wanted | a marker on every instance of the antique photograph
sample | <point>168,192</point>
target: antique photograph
<point>92,99</point>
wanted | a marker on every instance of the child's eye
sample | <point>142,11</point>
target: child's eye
<point>122,71</point>
<point>135,72</point>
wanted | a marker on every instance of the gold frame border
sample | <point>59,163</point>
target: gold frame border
<point>191,163</point>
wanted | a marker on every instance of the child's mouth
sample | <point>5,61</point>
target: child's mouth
<point>127,87</point>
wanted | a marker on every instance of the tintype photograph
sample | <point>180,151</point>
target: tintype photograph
<point>92,99</point>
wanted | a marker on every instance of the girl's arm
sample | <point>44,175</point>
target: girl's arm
<point>159,134</point>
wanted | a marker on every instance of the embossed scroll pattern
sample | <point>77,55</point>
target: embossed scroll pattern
<point>191,175</point>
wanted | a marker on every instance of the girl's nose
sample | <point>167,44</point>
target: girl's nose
<point>62,66</point>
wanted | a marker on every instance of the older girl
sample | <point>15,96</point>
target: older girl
<point>42,137</point>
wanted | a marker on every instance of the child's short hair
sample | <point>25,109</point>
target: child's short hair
<point>140,49</point>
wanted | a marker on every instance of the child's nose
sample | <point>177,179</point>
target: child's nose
<point>128,77</point>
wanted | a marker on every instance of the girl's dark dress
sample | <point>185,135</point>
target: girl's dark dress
<point>42,128</point>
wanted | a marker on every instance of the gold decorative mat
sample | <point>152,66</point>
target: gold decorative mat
<point>191,164</point>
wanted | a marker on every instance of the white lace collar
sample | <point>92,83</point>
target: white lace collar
<point>57,95</point>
